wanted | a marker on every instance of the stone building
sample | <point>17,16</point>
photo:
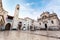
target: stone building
<point>3,15</point>
<point>8,22</point>
<point>36,25</point>
<point>28,22</point>
<point>25,23</point>
<point>49,21</point>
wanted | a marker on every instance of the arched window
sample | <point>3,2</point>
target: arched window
<point>20,22</point>
<point>44,17</point>
<point>52,22</point>
<point>18,8</point>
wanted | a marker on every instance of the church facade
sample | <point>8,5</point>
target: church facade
<point>49,21</point>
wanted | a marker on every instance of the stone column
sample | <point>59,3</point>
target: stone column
<point>15,19</point>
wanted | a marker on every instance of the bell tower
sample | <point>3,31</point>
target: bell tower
<point>15,19</point>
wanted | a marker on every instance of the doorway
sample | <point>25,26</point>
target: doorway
<point>19,25</point>
<point>7,27</point>
<point>46,26</point>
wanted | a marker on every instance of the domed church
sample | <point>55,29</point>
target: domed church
<point>49,20</point>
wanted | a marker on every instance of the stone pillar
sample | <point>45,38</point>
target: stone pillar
<point>15,19</point>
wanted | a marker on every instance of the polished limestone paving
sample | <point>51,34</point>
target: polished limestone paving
<point>29,35</point>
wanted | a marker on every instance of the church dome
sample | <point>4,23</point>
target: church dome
<point>45,13</point>
<point>54,14</point>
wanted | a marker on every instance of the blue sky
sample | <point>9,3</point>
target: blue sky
<point>32,8</point>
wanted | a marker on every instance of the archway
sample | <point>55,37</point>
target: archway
<point>31,27</point>
<point>19,25</point>
<point>45,26</point>
<point>7,27</point>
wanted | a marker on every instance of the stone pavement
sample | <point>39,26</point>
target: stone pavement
<point>29,35</point>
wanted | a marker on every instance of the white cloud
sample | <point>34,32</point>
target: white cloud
<point>54,5</point>
<point>29,4</point>
<point>26,11</point>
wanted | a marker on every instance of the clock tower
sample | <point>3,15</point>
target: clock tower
<point>15,19</point>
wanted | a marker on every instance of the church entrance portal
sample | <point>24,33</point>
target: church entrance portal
<point>45,26</point>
